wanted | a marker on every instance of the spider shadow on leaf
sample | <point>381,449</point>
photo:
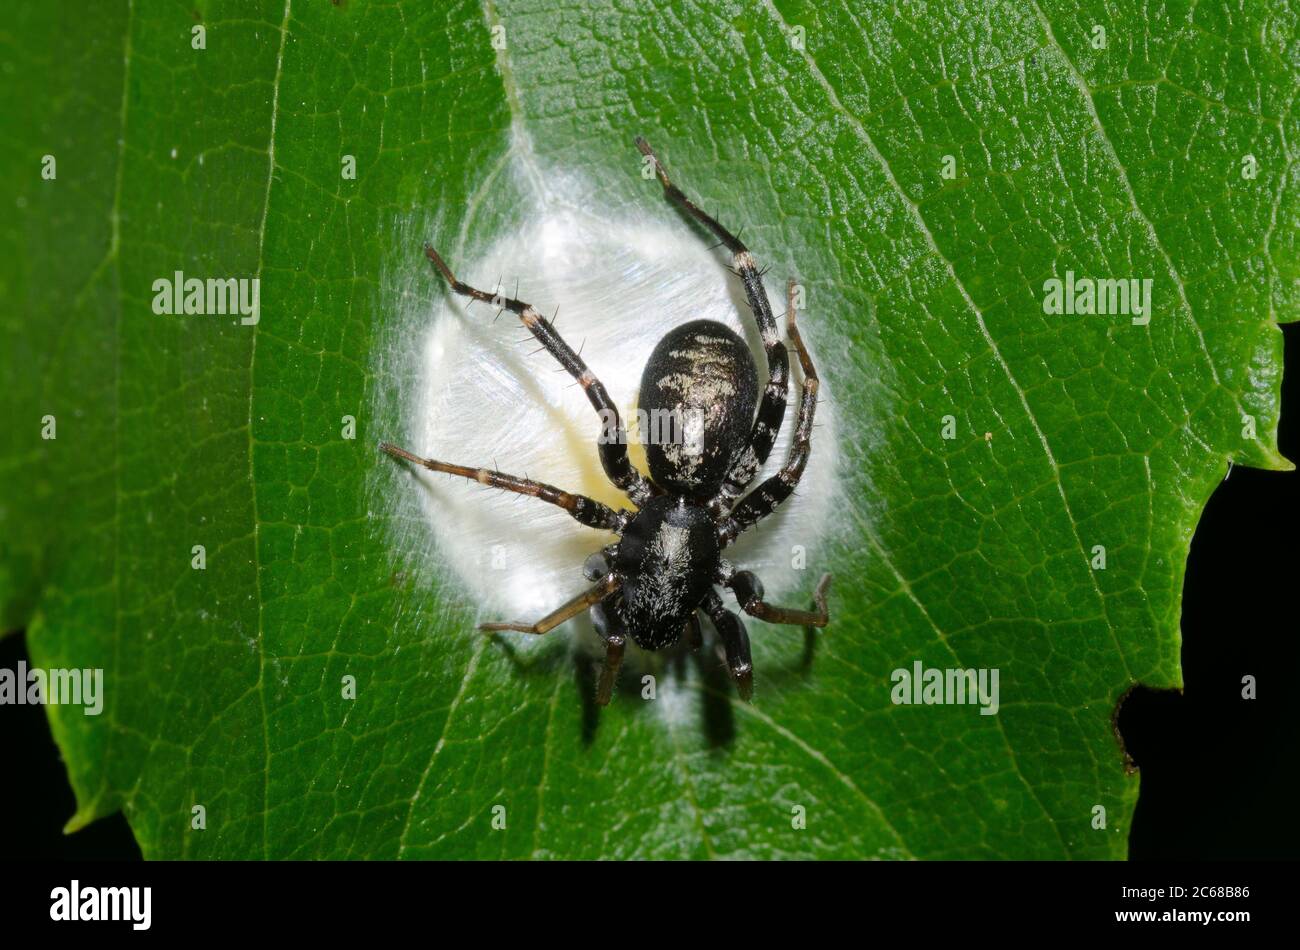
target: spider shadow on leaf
<point>716,690</point>
<point>719,691</point>
<point>577,651</point>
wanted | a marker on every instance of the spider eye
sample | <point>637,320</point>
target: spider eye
<point>596,566</point>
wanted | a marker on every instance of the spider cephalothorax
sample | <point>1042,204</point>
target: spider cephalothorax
<point>662,571</point>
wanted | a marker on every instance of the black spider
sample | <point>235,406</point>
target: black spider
<point>664,567</point>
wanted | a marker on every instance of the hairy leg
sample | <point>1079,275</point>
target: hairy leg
<point>734,641</point>
<point>749,594</point>
<point>763,500</point>
<point>586,510</point>
<point>613,440</point>
<point>611,631</point>
<point>771,409</point>
<point>566,610</point>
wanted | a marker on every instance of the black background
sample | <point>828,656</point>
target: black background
<point>1218,772</point>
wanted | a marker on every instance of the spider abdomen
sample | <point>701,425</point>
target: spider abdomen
<point>668,557</point>
<point>700,377</point>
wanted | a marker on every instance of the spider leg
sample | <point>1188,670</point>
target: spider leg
<point>586,510</point>
<point>771,409</point>
<point>613,440</point>
<point>694,638</point>
<point>609,672</point>
<point>566,610</point>
<point>762,501</point>
<point>749,594</point>
<point>735,641</point>
<point>611,631</point>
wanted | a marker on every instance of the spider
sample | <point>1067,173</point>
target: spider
<point>651,583</point>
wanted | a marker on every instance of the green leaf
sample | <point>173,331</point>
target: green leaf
<point>925,299</point>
